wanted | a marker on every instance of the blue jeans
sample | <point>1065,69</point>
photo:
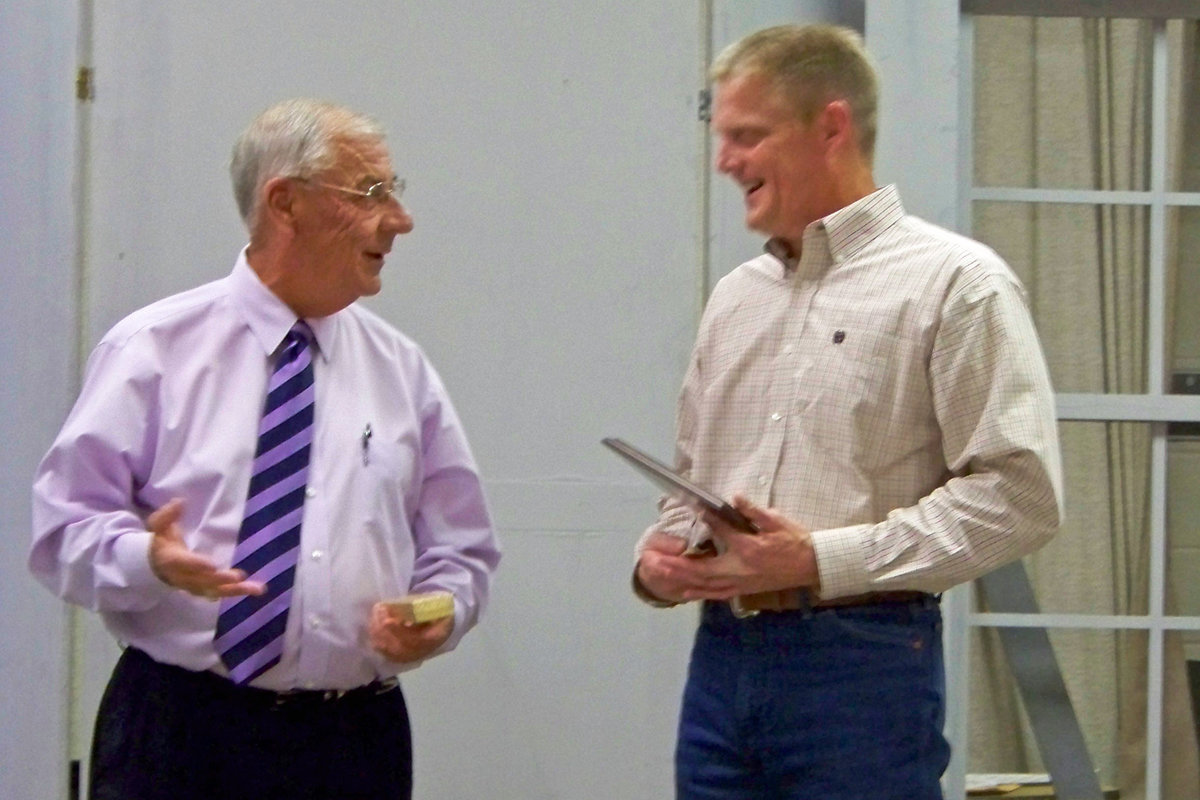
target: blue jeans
<point>832,704</point>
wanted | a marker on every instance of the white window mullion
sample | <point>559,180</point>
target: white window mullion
<point>1104,622</point>
<point>1157,383</point>
<point>1156,297</point>
<point>1157,611</point>
<point>1127,407</point>
<point>958,603</point>
<point>1090,197</point>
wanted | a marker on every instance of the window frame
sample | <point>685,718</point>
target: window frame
<point>1156,406</point>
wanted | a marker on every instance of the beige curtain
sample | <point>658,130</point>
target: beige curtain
<point>1064,103</point>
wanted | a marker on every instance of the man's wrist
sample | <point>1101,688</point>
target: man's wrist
<point>648,597</point>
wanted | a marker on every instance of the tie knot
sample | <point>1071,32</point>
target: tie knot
<point>300,331</point>
<point>298,338</point>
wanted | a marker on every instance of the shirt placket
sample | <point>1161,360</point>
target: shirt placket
<point>782,401</point>
<point>316,643</point>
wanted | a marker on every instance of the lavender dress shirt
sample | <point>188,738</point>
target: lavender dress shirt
<point>170,407</point>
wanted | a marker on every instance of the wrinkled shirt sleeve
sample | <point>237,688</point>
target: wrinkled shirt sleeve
<point>455,547</point>
<point>995,407</point>
<point>90,543</point>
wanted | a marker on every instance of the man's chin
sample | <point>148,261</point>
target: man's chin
<point>755,223</point>
<point>369,287</point>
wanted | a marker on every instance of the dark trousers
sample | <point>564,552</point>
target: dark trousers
<point>836,704</point>
<point>166,732</point>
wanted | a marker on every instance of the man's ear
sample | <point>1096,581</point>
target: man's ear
<point>280,196</point>
<point>835,122</point>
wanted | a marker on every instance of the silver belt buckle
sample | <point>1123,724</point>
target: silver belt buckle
<point>740,611</point>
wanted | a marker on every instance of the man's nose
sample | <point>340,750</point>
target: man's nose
<point>724,161</point>
<point>397,220</point>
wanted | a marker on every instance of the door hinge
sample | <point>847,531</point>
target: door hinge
<point>85,85</point>
<point>704,106</point>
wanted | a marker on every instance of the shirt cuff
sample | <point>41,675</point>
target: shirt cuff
<point>645,596</point>
<point>841,561</point>
<point>457,632</point>
<point>131,551</point>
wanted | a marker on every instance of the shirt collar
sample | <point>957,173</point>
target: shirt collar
<point>268,317</point>
<point>850,229</point>
<point>779,248</point>
<point>845,231</point>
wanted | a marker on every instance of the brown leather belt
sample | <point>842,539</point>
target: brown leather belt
<point>797,599</point>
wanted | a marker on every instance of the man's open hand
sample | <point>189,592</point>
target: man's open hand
<point>177,566</point>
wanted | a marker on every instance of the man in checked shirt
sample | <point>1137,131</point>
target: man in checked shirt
<point>872,394</point>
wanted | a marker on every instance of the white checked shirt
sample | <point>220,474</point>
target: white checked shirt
<point>887,391</point>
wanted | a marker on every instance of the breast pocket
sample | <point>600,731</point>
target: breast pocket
<point>389,483</point>
<point>847,393</point>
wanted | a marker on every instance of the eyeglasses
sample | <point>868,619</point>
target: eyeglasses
<point>377,193</point>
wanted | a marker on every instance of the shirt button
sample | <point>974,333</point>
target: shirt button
<point>310,492</point>
<point>776,416</point>
<point>317,555</point>
<point>314,621</point>
<point>762,480</point>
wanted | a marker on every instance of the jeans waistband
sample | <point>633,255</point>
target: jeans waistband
<point>901,603</point>
<point>800,600</point>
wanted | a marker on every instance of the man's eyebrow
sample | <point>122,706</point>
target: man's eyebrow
<point>740,131</point>
<point>372,179</point>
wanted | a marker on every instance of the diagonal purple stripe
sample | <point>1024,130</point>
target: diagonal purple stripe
<point>292,426</point>
<point>259,481</point>
<point>264,636</point>
<point>275,491</point>
<point>269,571</point>
<point>288,372</point>
<point>296,356</point>
<point>286,410</point>
<point>268,533</point>
<point>232,637</point>
<point>258,663</point>
<point>236,609</point>
<point>273,456</point>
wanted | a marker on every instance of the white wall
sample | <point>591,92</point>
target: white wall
<point>37,304</point>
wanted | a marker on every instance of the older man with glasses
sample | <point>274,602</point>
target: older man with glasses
<point>265,492</point>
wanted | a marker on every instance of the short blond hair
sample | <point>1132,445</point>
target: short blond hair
<point>810,66</point>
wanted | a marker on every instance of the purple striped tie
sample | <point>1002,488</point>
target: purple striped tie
<point>249,634</point>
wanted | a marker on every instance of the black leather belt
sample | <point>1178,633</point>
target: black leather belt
<point>312,696</point>
<point>212,684</point>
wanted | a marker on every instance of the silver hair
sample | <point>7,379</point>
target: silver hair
<point>292,139</point>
